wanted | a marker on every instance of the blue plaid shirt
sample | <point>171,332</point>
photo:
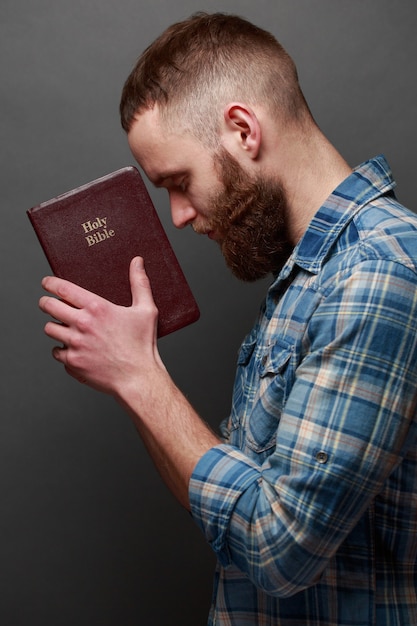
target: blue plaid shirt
<point>311,503</point>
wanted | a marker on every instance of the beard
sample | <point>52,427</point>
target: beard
<point>248,217</point>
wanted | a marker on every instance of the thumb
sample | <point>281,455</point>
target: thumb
<point>139,283</point>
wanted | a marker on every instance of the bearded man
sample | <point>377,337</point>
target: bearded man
<point>308,496</point>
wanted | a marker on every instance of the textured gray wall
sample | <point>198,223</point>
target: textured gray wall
<point>88,534</point>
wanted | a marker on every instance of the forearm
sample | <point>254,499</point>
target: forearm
<point>173,433</point>
<point>113,349</point>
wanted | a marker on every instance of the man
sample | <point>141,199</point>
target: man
<point>309,498</point>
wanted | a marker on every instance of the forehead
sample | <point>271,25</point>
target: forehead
<point>161,152</point>
<point>145,137</point>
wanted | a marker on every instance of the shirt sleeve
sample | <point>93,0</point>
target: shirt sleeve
<point>347,423</point>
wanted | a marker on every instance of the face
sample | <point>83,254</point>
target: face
<point>214,194</point>
<point>178,163</point>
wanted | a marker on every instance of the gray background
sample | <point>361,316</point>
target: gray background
<point>88,533</point>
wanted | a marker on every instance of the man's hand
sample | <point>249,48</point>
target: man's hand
<point>104,345</point>
<point>113,349</point>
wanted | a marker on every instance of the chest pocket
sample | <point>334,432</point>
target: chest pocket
<point>267,379</point>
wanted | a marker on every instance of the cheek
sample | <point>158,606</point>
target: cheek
<point>202,202</point>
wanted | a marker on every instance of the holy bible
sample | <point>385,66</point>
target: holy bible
<point>90,234</point>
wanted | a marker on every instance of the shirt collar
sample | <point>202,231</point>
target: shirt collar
<point>367,182</point>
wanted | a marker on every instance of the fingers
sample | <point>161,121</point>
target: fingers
<point>68,316</point>
<point>60,354</point>
<point>80,298</point>
<point>57,331</point>
<point>78,315</point>
<point>71,300</point>
<point>140,285</point>
<point>58,310</point>
<point>68,292</point>
<point>99,341</point>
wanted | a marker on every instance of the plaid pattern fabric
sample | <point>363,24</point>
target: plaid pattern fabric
<point>311,501</point>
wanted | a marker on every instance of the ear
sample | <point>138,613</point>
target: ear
<point>243,128</point>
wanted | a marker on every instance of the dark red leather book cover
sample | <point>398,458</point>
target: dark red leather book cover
<point>90,234</point>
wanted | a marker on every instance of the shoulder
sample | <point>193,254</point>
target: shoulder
<point>388,231</point>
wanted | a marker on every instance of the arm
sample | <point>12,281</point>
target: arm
<point>347,424</point>
<point>114,349</point>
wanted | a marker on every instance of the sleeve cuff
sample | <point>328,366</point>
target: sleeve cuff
<point>220,477</point>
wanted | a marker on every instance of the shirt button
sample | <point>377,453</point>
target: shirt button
<point>322,457</point>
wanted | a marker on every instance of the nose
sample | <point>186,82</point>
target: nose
<point>182,211</point>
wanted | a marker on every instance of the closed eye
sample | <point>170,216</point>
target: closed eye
<point>170,180</point>
<point>183,185</point>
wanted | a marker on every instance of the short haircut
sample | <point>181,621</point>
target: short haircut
<point>196,67</point>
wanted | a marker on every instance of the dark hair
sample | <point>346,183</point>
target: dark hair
<point>195,67</point>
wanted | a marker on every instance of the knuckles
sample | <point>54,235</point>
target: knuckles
<point>76,361</point>
<point>149,311</point>
<point>85,321</point>
<point>87,329</point>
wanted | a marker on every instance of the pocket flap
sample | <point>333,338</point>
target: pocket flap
<point>274,357</point>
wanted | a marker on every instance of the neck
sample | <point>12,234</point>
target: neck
<point>310,169</point>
